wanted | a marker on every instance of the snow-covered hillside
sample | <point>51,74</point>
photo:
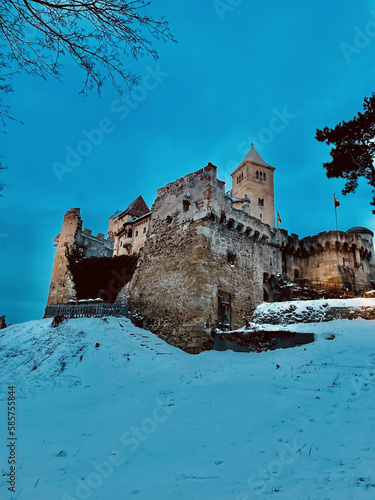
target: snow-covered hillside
<point>108,411</point>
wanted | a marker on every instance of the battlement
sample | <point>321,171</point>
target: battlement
<point>209,172</point>
<point>336,241</point>
<point>200,195</point>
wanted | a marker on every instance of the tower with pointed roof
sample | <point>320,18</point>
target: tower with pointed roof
<point>253,178</point>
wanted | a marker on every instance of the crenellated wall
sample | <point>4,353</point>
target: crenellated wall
<point>335,257</point>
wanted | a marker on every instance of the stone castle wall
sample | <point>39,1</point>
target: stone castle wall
<point>62,286</point>
<point>199,247</point>
<point>72,235</point>
<point>94,246</point>
<point>337,256</point>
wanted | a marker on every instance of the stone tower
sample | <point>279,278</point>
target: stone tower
<point>62,286</point>
<point>253,179</point>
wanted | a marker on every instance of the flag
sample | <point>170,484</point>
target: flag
<point>278,219</point>
<point>337,203</point>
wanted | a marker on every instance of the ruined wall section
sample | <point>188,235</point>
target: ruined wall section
<point>94,246</point>
<point>72,235</point>
<point>62,286</point>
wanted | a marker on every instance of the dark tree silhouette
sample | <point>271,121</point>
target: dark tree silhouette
<point>97,34</point>
<point>353,151</point>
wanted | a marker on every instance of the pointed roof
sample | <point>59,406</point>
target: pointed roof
<point>253,155</point>
<point>137,208</point>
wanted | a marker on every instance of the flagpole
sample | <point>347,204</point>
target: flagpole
<point>334,198</point>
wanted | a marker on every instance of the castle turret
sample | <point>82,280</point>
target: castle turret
<point>253,179</point>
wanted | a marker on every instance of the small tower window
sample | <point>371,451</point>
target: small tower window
<point>264,176</point>
<point>185,205</point>
<point>136,233</point>
<point>130,233</point>
<point>231,258</point>
<point>260,175</point>
<point>257,174</point>
<point>144,229</point>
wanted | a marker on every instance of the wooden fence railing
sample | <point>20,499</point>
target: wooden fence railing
<point>86,310</point>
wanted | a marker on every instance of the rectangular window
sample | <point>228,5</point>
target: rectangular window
<point>224,311</point>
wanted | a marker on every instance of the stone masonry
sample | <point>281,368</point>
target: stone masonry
<point>72,235</point>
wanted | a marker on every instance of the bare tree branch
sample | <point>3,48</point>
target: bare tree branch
<point>98,35</point>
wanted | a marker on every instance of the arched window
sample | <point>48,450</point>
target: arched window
<point>257,174</point>
<point>130,233</point>
<point>260,175</point>
<point>264,176</point>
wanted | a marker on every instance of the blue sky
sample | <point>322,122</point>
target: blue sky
<point>235,68</point>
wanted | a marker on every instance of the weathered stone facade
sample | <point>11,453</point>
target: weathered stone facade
<point>72,235</point>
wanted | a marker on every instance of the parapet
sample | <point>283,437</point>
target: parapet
<point>209,172</point>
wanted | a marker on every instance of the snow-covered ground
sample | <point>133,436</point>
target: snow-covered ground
<point>311,311</point>
<point>108,411</point>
